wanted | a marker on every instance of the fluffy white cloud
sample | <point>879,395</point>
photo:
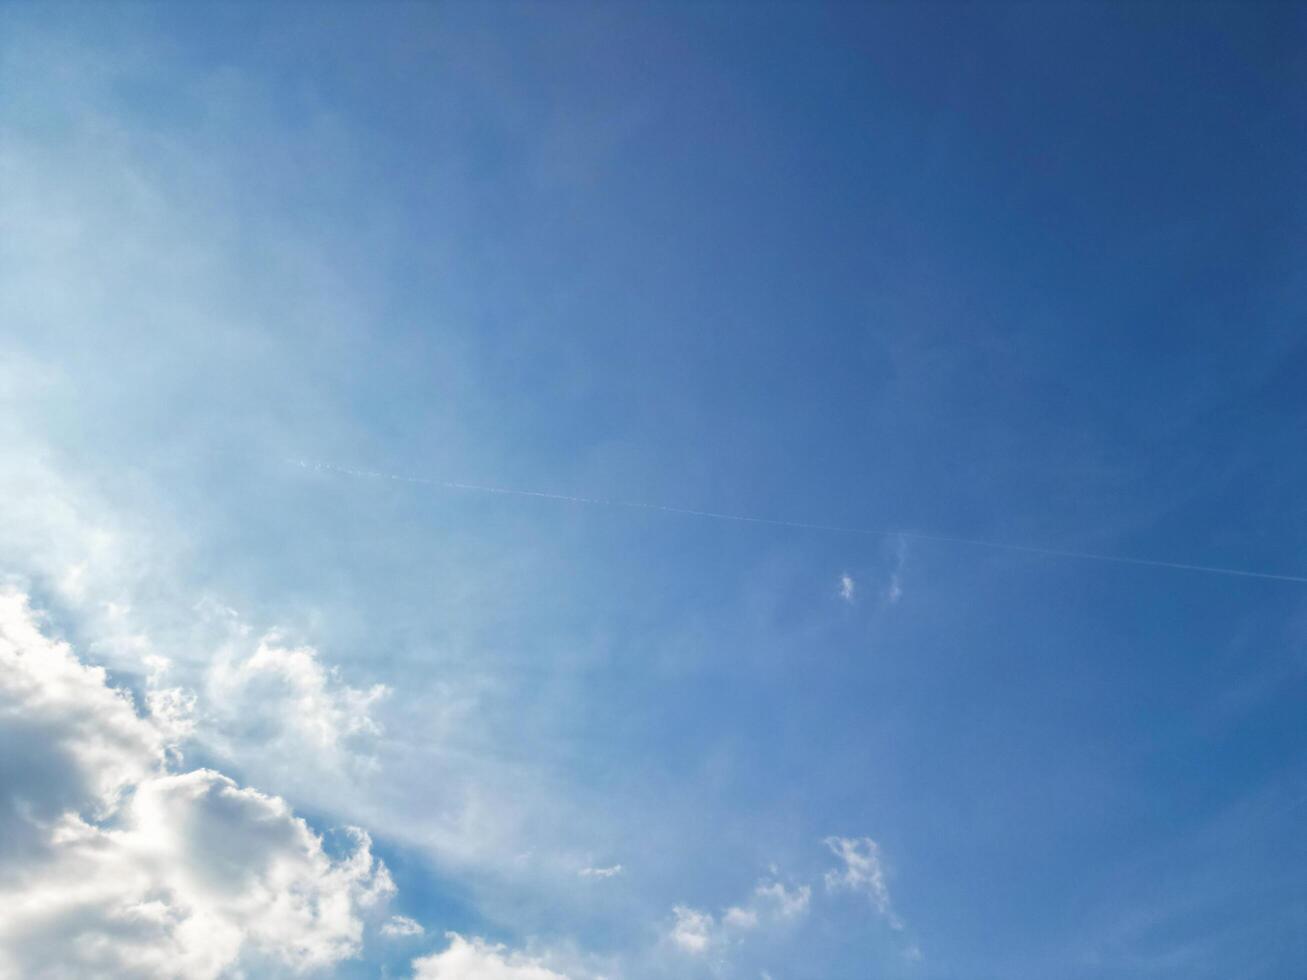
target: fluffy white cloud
<point>478,960</point>
<point>861,871</point>
<point>398,926</point>
<point>692,930</point>
<point>172,709</point>
<point>291,699</point>
<point>111,866</point>
<point>71,743</point>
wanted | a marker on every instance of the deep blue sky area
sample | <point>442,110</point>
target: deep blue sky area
<point>1020,274</point>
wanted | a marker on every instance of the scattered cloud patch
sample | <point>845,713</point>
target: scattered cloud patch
<point>398,926</point>
<point>770,902</point>
<point>847,587</point>
<point>609,872</point>
<point>692,930</point>
<point>478,960</point>
<point>740,918</point>
<point>785,903</point>
<point>861,871</point>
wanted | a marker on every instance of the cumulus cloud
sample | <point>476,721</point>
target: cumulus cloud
<point>72,743</point>
<point>286,698</point>
<point>200,874</point>
<point>112,866</point>
<point>398,926</point>
<point>692,930</point>
<point>861,871</point>
<point>478,960</point>
<point>171,708</point>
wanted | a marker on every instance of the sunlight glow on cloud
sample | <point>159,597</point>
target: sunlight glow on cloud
<point>297,703</point>
<point>114,866</point>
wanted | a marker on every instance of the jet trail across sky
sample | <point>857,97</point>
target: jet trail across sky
<point>800,525</point>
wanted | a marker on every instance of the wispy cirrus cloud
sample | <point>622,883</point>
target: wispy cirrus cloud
<point>860,870</point>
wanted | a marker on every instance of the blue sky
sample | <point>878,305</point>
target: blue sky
<point>1028,274</point>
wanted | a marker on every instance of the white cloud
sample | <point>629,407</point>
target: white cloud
<point>847,587</point>
<point>478,960</point>
<point>286,699</point>
<point>770,902</point>
<point>111,866</point>
<point>740,918</point>
<point>692,931</point>
<point>401,925</point>
<point>785,903</point>
<point>610,872</point>
<point>861,871</point>
<point>71,744</point>
<point>171,708</point>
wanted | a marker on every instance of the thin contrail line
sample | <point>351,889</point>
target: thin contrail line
<point>801,525</point>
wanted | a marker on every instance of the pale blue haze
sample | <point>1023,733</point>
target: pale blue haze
<point>1028,273</point>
